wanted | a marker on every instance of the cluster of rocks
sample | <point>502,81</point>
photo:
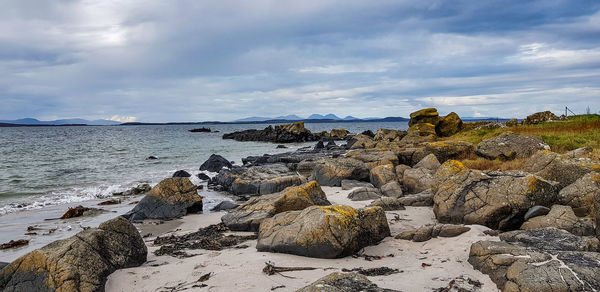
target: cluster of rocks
<point>295,132</point>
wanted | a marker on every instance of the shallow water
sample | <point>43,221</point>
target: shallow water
<point>42,166</point>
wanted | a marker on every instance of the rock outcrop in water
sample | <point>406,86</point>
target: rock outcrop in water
<point>171,198</point>
<point>295,132</point>
<point>79,263</point>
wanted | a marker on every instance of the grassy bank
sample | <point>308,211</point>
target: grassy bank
<point>562,136</point>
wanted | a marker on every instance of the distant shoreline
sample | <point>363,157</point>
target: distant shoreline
<point>311,121</point>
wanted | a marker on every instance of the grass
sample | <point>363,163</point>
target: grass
<point>562,136</point>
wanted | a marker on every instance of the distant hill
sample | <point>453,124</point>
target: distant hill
<point>253,119</point>
<point>323,117</point>
<point>288,117</point>
<point>350,118</point>
<point>32,121</point>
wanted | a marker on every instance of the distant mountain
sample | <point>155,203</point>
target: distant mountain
<point>323,117</point>
<point>253,119</point>
<point>289,117</point>
<point>350,118</point>
<point>31,121</point>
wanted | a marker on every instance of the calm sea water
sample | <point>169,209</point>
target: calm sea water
<point>41,166</point>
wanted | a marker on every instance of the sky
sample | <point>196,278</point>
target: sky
<point>196,60</point>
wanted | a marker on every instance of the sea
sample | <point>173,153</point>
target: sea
<point>49,166</point>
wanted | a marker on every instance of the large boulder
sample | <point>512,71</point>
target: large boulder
<point>383,174</point>
<point>562,217</point>
<point>374,157</point>
<point>546,259</point>
<point>364,193</point>
<point>392,189</point>
<point>249,215</point>
<point>509,146</point>
<point>338,133</point>
<point>540,117</point>
<point>215,163</point>
<point>560,168</point>
<point>323,232</point>
<point>443,151</point>
<point>289,133</point>
<point>389,135</point>
<point>580,194</point>
<point>424,198</point>
<point>331,172</point>
<point>428,115</point>
<point>419,133</point>
<point>497,200</point>
<point>171,198</point>
<point>416,180</point>
<point>449,125</point>
<point>428,162</point>
<point>343,282</point>
<point>257,180</point>
<point>79,263</point>
<point>362,141</point>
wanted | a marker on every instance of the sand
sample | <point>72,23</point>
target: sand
<point>241,269</point>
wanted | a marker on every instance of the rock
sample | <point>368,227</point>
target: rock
<point>151,158</point>
<point>171,198</point>
<point>363,194</point>
<point>417,180</point>
<point>361,141</point>
<point>489,125</point>
<point>338,133</point>
<point>388,204</point>
<point>140,189</point>
<point>556,167</point>
<point>449,125</point>
<point>374,157</point>
<point>580,194</point>
<point>432,231</point>
<point>579,152</point>
<point>331,144</point>
<point>181,173</point>
<point>332,171</point>
<point>443,151</point>
<point>249,215</point>
<point>564,218</point>
<point>203,176</point>
<point>368,133</point>
<point>509,146</point>
<point>540,117</point>
<point>257,180</point>
<point>80,211</point>
<point>512,123</point>
<point>110,202</point>
<point>14,244</point>
<point>3,264</point>
<point>225,205</point>
<point>79,263</point>
<point>392,189</point>
<point>350,184</point>
<point>319,145</point>
<point>497,200</point>
<point>289,133</point>
<point>428,115</point>
<point>389,135</point>
<point>323,232</point>
<point>383,174</point>
<point>546,259</point>
<point>536,211</point>
<point>400,169</point>
<point>343,282</point>
<point>280,146</point>
<point>200,130</point>
<point>424,198</point>
<point>215,163</point>
<point>419,133</point>
<point>429,162</point>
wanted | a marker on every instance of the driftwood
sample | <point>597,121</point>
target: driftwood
<point>382,271</point>
<point>270,269</point>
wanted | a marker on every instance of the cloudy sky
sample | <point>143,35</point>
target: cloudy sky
<point>223,60</point>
